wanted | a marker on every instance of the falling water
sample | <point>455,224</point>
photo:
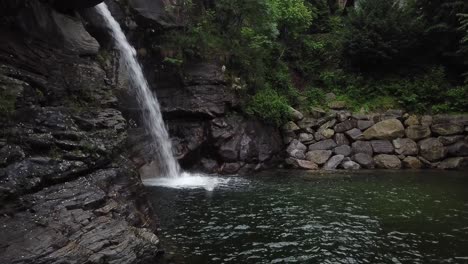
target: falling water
<point>152,114</point>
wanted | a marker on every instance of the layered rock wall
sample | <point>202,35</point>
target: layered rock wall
<point>68,194</point>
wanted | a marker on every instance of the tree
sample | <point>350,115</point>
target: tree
<point>380,34</point>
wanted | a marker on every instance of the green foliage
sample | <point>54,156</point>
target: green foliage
<point>270,106</point>
<point>292,16</point>
<point>380,34</point>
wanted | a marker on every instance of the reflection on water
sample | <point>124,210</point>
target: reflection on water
<point>378,217</point>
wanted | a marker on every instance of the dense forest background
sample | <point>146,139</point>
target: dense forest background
<point>372,54</point>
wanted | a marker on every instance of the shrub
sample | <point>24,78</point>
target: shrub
<point>271,107</point>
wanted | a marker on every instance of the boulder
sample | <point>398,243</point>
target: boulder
<point>337,105</point>
<point>364,124</point>
<point>447,129</point>
<point>382,146</point>
<point>362,147</point>
<point>74,4</point>
<point>449,140</point>
<point>328,133</point>
<point>333,162</point>
<point>418,132</point>
<point>231,168</point>
<point>307,165</point>
<point>328,124</point>
<point>344,150</point>
<point>412,163</point>
<point>350,165</point>
<point>406,146</point>
<point>290,127</point>
<point>365,160</point>
<point>10,154</point>
<point>387,129</point>
<point>432,149</point>
<point>428,164</point>
<point>295,115</point>
<point>343,115</point>
<point>323,145</point>
<point>341,139</point>
<point>454,163</point>
<point>426,120</point>
<point>459,119</point>
<point>209,165</point>
<point>412,120</point>
<point>319,156</point>
<point>385,161</point>
<point>307,123</point>
<point>306,138</point>
<point>345,126</point>
<point>296,149</point>
<point>289,137</point>
<point>355,134</point>
<point>317,112</point>
<point>458,149</point>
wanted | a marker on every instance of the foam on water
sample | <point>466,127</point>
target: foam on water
<point>190,181</point>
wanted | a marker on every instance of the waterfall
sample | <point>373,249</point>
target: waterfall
<point>152,112</point>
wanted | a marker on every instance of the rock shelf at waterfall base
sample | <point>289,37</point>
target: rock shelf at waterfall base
<point>391,140</point>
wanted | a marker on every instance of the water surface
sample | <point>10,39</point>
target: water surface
<point>295,217</point>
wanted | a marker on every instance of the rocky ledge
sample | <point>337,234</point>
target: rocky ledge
<point>391,140</point>
<point>68,194</point>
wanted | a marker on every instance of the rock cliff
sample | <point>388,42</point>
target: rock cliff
<point>68,192</point>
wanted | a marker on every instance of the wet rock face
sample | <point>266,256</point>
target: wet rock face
<point>68,193</point>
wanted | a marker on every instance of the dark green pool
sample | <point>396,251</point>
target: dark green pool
<point>295,217</point>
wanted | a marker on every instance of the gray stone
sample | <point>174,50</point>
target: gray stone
<point>406,146</point>
<point>345,126</point>
<point>350,165</point>
<point>412,163</point>
<point>428,164</point>
<point>317,112</point>
<point>385,161</point>
<point>307,123</point>
<point>323,145</point>
<point>458,149</point>
<point>449,140</point>
<point>333,162</point>
<point>355,134</point>
<point>365,124</point>
<point>328,133</point>
<point>432,149</point>
<point>307,165</point>
<point>343,115</point>
<point>231,168</point>
<point>337,105</point>
<point>328,124</point>
<point>319,156</point>
<point>382,146</point>
<point>454,163</point>
<point>426,120</point>
<point>459,119</point>
<point>418,132</point>
<point>387,129</point>
<point>447,129</point>
<point>295,114</point>
<point>296,149</point>
<point>341,139</point>
<point>306,138</point>
<point>365,160</point>
<point>10,154</point>
<point>412,120</point>
<point>290,127</point>
<point>362,147</point>
<point>344,150</point>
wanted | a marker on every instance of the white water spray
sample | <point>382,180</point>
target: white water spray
<point>152,111</point>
